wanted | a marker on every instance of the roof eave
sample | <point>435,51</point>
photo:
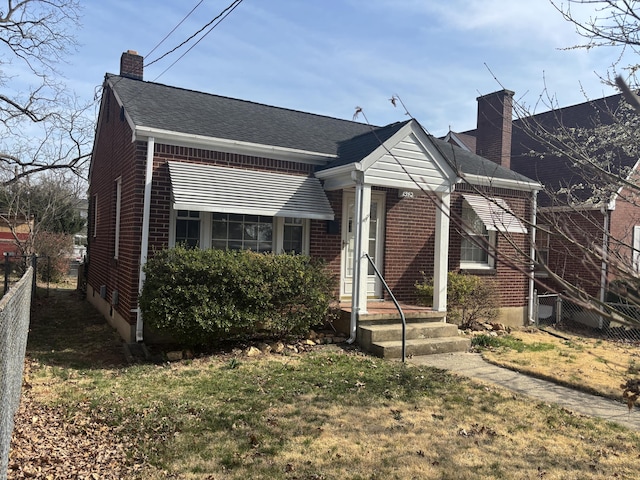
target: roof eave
<point>231,146</point>
<point>485,181</point>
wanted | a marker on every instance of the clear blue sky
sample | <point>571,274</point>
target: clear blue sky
<point>329,56</point>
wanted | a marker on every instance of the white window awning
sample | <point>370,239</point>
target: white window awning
<point>495,214</point>
<point>212,188</point>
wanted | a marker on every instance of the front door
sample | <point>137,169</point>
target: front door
<point>376,243</point>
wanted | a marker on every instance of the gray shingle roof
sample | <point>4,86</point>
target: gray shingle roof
<point>186,111</point>
<point>472,164</point>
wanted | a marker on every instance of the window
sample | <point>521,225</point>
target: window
<point>116,247</point>
<point>242,232</point>
<point>188,228</point>
<point>293,237</point>
<point>542,247</point>
<point>478,244</point>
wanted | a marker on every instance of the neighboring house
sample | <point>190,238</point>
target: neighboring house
<point>176,166</point>
<point>80,239</point>
<point>580,210</point>
<point>13,232</point>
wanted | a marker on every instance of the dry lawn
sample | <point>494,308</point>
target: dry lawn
<point>325,414</point>
<point>589,364</point>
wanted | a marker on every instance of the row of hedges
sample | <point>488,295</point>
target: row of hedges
<point>203,296</point>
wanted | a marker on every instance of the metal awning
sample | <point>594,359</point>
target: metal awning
<point>211,188</point>
<point>495,214</point>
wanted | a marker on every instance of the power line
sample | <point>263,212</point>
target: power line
<point>174,28</point>
<point>219,17</point>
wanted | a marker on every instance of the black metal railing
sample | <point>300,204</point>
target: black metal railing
<point>402,317</point>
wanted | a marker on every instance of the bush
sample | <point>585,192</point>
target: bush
<point>54,251</point>
<point>203,296</point>
<point>469,298</point>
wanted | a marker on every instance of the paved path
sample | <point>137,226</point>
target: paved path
<point>472,365</point>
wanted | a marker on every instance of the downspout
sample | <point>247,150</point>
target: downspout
<point>605,260</point>
<point>357,253</point>
<point>144,244</point>
<point>532,254</point>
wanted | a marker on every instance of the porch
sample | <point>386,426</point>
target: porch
<point>379,330</point>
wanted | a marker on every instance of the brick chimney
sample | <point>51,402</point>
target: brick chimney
<point>131,65</point>
<point>493,133</point>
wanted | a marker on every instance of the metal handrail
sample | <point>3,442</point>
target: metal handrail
<point>402,317</point>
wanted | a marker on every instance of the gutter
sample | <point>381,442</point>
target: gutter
<point>144,244</point>
<point>532,253</point>
<point>234,146</point>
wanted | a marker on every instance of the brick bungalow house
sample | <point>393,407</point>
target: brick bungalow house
<point>601,214</point>
<point>171,165</point>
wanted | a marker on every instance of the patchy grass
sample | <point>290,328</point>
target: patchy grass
<point>588,364</point>
<point>327,414</point>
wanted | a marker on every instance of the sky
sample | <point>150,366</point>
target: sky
<point>330,56</point>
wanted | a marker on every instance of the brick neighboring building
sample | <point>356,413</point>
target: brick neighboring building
<point>610,225</point>
<point>177,166</point>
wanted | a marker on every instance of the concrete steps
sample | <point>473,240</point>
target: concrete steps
<point>422,338</point>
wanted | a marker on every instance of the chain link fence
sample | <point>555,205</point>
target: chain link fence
<point>552,310</point>
<point>15,311</point>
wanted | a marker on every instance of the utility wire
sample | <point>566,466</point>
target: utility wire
<point>174,28</point>
<point>224,14</point>
<point>221,16</point>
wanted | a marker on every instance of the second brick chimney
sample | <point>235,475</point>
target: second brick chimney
<point>493,132</point>
<point>131,65</point>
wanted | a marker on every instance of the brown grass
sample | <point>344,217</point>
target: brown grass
<point>588,364</point>
<point>326,414</point>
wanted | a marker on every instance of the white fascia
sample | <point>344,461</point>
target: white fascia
<point>484,181</point>
<point>614,197</point>
<point>340,177</point>
<point>232,146</point>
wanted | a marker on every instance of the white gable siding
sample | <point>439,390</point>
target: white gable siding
<point>410,162</point>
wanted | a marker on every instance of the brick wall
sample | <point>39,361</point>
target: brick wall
<point>512,249</point>
<point>575,234</point>
<point>115,156</point>
<point>409,243</point>
<point>625,216</point>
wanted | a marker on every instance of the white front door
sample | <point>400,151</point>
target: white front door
<point>376,243</point>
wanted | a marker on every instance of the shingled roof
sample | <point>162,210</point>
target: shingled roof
<point>174,109</point>
<point>558,172</point>
<point>186,111</point>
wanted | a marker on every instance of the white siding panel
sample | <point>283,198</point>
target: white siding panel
<point>212,188</point>
<point>408,163</point>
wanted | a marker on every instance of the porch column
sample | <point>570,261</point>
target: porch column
<point>441,254</point>
<point>364,248</point>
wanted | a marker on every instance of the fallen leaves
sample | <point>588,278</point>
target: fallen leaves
<point>50,443</point>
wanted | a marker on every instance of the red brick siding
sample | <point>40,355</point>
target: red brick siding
<point>512,249</point>
<point>325,245</point>
<point>116,156</point>
<point>409,243</point>
<point>625,216</point>
<point>569,257</point>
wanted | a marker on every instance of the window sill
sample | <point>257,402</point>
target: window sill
<point>478,271</point>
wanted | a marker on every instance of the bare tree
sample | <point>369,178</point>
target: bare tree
<point>42,125</point>
<point>46,203</point>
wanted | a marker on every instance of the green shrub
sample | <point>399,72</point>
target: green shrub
<point>202,296</point>
<point>469,297</point>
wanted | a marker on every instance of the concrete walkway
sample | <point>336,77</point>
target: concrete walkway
<point>472,365</point>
